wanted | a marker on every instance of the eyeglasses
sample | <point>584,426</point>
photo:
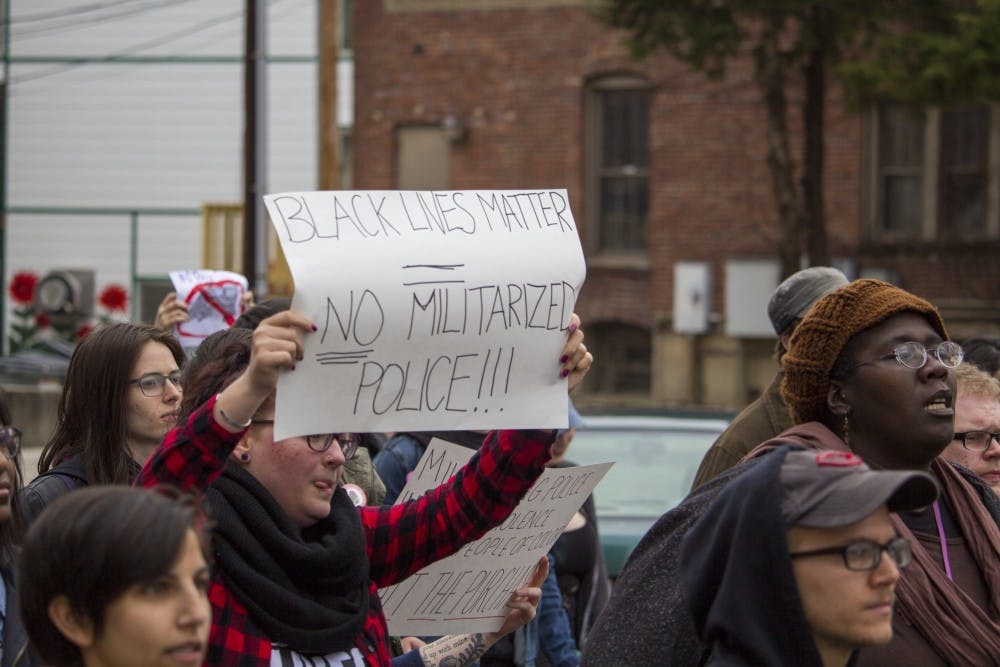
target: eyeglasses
<point>977,441</point>
<point>914,355</point>
<point>153,384</point>
<point>865,555</point>
<point>349,442</point>
<point>10,439</point>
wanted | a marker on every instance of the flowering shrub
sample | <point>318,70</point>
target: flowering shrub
<point>29,326</point>
<point>114,298</point>
<point>24,327</point>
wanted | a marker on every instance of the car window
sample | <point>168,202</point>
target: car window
<point>653,469</point>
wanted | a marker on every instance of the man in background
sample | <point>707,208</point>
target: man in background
<point>768,415</point>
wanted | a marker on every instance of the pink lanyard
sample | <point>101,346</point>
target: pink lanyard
<point>944,544</point>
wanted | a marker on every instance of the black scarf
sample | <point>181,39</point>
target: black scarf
<point>310,592</point>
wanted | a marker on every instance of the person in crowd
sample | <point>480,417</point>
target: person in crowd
<point>115,576</point>
<point>870,370</point>
<point>120,397</point>
<point>579,561</point>
<point>14,649</point>
<point>806,573</point>
<point>767,416</point>
<point>359,476</point>
<point>983,352</point>
<point>282,521</point>
<point>976,443</point>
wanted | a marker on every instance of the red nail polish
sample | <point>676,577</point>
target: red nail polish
<point>564,373</point>
<point>572,327</point>
<point>315,328</point>
<point>563,359</point>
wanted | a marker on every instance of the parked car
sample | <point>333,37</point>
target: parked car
<point>656,459</point>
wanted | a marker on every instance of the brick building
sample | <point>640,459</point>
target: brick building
<point>666,171</point>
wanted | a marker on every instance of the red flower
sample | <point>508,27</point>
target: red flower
<point>22,287</point>
<point>83,330</point>
<point>114,298</point>
<point>42,320</point>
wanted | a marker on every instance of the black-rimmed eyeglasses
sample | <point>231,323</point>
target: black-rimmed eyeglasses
<point>865,555</point>
<point>153,384</point>
<point>320,442</point>
<point>10,439</point>
<point>914,355</point>
<point>977,441</point>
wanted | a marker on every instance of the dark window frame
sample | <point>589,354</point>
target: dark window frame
<point>937,176</point>
<point>624,173</point>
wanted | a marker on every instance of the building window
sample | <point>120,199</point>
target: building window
<point>626,357</point>
<point>617,147</point>
<point>422,158</point>
<point>345,23</point>
<point>933,173</point>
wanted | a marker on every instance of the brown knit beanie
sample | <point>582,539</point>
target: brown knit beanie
<point>828,326</point>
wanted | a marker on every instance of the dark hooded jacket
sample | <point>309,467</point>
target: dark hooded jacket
<point>737,578</point>
<point>646,620</point>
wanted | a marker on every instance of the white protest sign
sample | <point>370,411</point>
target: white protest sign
<point>468,591</point>
<point>440,461</point>
<point>436,310</point>
<point>214,300</point>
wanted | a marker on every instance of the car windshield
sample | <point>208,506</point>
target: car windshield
<point>653,469</point>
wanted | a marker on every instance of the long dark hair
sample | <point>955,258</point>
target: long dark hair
<point>92,545</point>
<point>10,530</point>
<point>92,409</point>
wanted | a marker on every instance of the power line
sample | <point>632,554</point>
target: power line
<point>76,24</point>
<point>137,48</point>
<point>79,9</point>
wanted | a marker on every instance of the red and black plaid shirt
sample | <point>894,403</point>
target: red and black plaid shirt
<point>400,539</point>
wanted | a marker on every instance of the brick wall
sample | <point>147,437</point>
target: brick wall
<point>517,77</point>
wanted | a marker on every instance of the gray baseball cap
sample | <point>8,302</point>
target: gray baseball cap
<point>828,489</point>
<point>792,299</point>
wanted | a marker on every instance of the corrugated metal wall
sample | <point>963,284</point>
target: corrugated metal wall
<point>165,132</point>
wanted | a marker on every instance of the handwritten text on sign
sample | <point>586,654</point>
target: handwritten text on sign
<point>468,591</point>
<point>436,310</point>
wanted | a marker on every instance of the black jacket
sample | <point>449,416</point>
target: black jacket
<point>737,577</point>
<point>51,484</point>
<point>16,652</point>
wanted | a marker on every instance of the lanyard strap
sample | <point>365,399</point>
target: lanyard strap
<point>944,543</point>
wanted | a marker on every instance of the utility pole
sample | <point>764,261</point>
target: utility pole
<point>255,146</point>
<point>329,132</point>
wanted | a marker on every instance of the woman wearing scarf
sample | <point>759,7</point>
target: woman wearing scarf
<point>869,369</point>
<point>297,565</point>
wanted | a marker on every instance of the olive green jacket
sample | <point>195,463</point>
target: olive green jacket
<point>763,419</point>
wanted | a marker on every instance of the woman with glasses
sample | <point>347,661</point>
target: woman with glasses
<point>13,640</point>
<point>120,397</point>
<point>870,370</point>
<point>297,565</point>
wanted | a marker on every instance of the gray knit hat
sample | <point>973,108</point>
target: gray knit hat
<point>793,297</point>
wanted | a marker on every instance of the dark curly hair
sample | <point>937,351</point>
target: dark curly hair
<point>220,359</point>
